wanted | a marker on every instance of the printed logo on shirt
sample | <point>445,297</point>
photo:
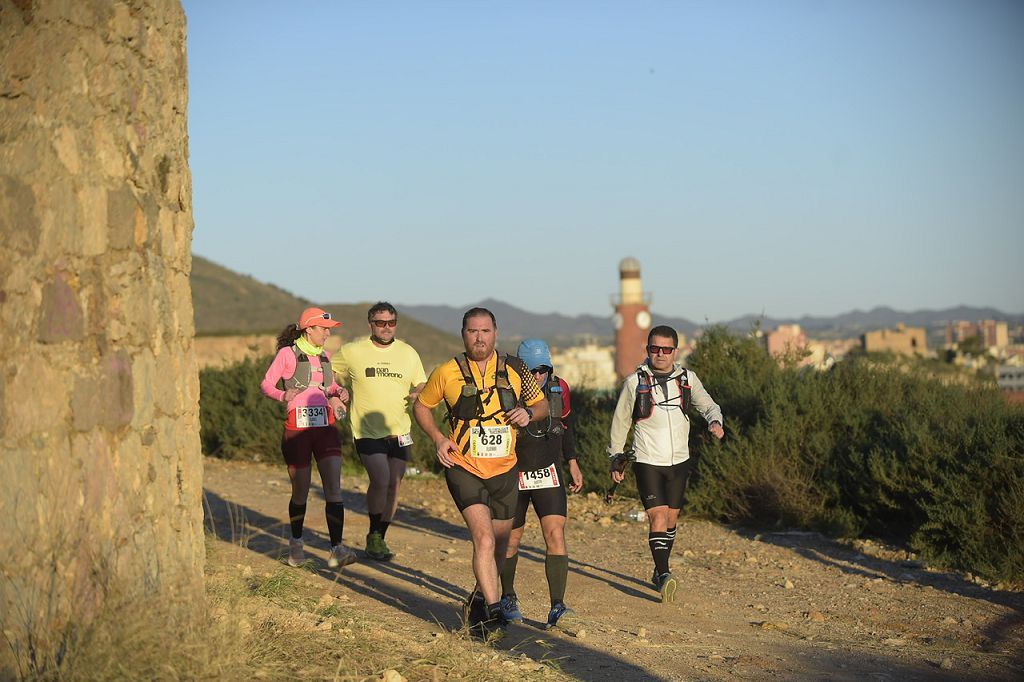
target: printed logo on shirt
<point>383,372</point>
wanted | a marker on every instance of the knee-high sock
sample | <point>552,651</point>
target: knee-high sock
<point>671,532</point>
<point>335,521</point>
<point>659,542</point>
<point>296,518</point>
<point>556,567</point>
<point>508,575</point>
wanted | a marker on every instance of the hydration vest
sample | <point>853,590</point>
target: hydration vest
<point>304,372</point>
<point>643,403</point>
<point>469,406</point>
<point>556,404</point>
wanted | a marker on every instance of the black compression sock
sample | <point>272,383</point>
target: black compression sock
<point>384,525</point>
<point>296,518</point>
<point>659,550</point>
<point>508,575</point>
<point>556,567</point>
<point>671,532</point>
<point>335,512</point>
<point>375,522</point>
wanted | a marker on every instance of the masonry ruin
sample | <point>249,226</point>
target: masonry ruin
<point>100,465</point>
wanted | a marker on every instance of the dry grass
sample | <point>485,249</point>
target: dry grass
<point>277,624</point>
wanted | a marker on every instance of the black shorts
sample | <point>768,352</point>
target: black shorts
<point>499,492</point>
<point>388,446</point>
<point>660,486</point>
<point>299,446</point>
<point>546,502</point>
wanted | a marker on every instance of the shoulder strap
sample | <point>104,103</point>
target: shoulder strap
<point>462,360</point>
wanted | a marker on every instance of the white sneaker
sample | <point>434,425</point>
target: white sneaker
<point>341,556</point>
<point>296,554</point>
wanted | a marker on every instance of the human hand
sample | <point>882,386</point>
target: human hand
<point>445,448</point>
<point>617,476</point>
<point>716,430</point>
<point>338,406</point>
<point>577,476</point>
<point>518,416</point>
<point>290,394</point>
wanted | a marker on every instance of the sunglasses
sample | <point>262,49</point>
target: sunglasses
<point>380,324</point>
<point>662,350</point>
<point>540,369</point>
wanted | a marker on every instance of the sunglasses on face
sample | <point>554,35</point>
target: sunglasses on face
<point>540,369</point>
<point>380,324</point>
<point>660,350</point>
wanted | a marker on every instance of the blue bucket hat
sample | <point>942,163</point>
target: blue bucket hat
<point>534,352</point>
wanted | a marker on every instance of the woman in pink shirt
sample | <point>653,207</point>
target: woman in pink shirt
<point>315,401</point>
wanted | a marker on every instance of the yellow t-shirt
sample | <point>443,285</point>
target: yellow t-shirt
<point>380,379</point>
<point>482,452</point>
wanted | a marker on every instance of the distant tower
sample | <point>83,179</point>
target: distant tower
<point>632,319</point>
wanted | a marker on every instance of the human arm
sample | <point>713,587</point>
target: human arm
<point>442,445</point>
<point>706,406</point>
<point>622,421</point>
<point>568,418</point>
<point>282,367</point>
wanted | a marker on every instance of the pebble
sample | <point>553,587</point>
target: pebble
<point>789,585</point>
<point>641,633</point>
<point>950,620</point>
<point>947,664</point>
<point>605,521</point>
<point>581,634</point>
<point>816,616</point>
<point>894,641</point>
<point>392,675</point>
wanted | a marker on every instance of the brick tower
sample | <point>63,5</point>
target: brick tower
<point>632,319</point>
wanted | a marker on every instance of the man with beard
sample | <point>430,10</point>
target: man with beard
<point>488,395</point>
<point>654,401</point>
<point>385,375</point>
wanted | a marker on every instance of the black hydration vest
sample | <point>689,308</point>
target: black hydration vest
<point>556,404</point>
<point>643,403</point>
<point>470,406</point>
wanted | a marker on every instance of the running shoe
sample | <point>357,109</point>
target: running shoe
<point>376,548</point>
<point>296,553</point>
<point>510,609</point>
<point>558,614</point>
<point>341,556</point>
<point>667,585</point>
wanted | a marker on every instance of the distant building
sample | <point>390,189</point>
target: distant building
<point>903,341</point>
<point>784,340</point>
<point>993,334</point>
<point>586,366</point>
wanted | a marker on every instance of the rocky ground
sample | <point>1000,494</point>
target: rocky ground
<point>786,605</point>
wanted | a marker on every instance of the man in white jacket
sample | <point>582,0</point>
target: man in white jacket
<point>655,398</point>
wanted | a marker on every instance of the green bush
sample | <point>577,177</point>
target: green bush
<point>874,446</point>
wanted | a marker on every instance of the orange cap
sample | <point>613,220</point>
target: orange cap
<point>316,317</point>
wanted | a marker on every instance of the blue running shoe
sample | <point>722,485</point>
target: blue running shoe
<point>558,614</point>
<point>510,609</point>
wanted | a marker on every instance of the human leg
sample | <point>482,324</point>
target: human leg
<point>379,473</point>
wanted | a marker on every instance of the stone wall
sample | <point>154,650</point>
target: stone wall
<point>100,466</point>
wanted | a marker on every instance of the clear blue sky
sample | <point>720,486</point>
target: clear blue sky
<point>786,157</point>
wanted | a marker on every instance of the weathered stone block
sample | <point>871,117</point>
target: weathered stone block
<point>61,316</point>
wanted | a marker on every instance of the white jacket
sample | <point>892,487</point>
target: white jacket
<point>663,438</point>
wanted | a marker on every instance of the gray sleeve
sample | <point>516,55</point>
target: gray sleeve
<point>622,419</point>
<point>702,401</point>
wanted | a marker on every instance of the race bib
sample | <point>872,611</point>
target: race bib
<point>539,479</point>
<point>405,440</point>
<point>308,417</point>
<point>491,441</point>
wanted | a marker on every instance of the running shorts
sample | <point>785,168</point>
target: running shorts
<point>662,485</point>
<point>388,446</point>
<point>299,446</point>
<point>499,492</point>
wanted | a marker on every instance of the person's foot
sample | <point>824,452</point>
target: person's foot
<point>296,552</point>
<point>558,614</point>
<point>492,626</point>
<point>510,609</point>
<point>341,556</point>
<point>376,548</point>
<point>667,585</point>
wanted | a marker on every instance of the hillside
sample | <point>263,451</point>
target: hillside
<point>228,303</point>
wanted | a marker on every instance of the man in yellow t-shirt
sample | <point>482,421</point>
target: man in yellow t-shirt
<point>385,376</point>
<point>489,395</point>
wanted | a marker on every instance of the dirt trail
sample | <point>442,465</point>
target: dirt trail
<point>777,605</point>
